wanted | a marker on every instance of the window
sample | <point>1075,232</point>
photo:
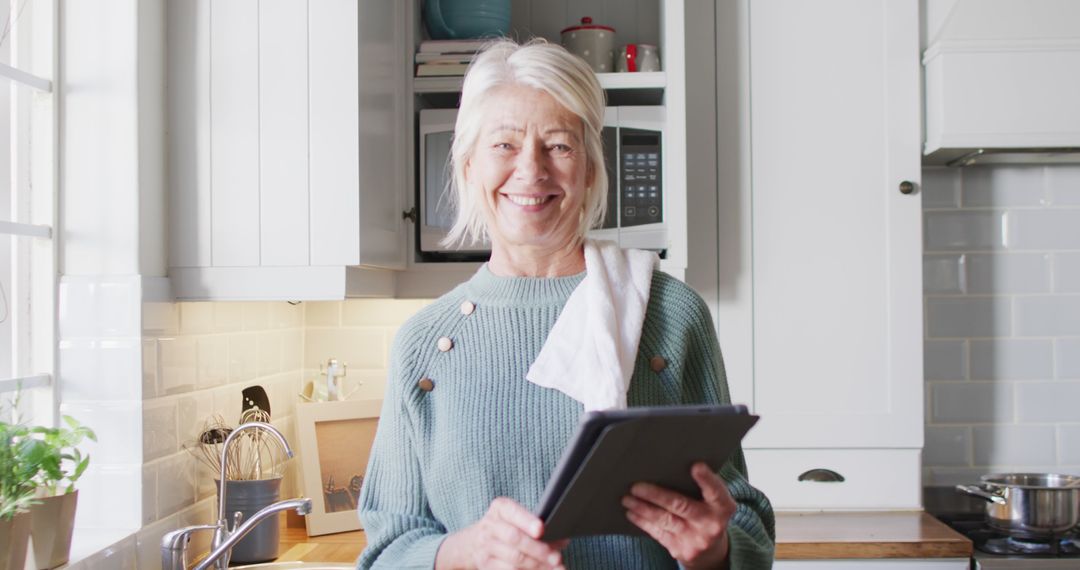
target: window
<point>28,294</point>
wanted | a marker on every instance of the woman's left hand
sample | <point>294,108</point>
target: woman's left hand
<point>693,532</point>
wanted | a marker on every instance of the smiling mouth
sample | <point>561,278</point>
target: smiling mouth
<point>528,200</point>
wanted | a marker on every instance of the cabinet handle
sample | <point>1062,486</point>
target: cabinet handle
<point>822,476</point>
<point>907,187</point>
<point>409,215</point>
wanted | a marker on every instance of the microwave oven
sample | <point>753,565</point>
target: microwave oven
<point>634,158</point>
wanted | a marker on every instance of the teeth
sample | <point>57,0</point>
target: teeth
<point>527,200</point>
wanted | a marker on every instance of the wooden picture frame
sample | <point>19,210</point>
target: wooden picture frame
<point>335,440</point>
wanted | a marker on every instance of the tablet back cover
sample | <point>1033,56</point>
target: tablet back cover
<point>659,450</point>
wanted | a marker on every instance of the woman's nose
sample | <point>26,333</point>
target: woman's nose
<point>531,164</point>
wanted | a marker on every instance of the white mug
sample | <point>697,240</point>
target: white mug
<point>638,57</point>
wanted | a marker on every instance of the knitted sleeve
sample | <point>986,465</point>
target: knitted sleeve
<point>401,530</point>
<point>751,531</point>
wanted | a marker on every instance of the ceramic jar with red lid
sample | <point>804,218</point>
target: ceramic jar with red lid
<point>593,43</point>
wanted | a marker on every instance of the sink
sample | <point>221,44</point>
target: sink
<point>296,566</point>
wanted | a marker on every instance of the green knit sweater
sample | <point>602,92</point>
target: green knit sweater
<point>462,426</point>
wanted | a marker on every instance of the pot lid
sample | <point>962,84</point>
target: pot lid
<point>586,24</point>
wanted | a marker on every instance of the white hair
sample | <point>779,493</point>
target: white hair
<point>548,68</point>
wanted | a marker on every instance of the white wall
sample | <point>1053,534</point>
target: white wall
<point>1002,298</point>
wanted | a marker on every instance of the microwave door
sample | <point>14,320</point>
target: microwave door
<point>641,190</point>
<point>609,230</point>
<point>434,204</point>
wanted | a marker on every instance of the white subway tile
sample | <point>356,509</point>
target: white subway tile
<point>971,402</point>
<point>119,490</point>
<point>1067,351</point>
<point>193,412</point>
<point>1003,186</point>
<point>292,350</point>
<point>1050,315</point>
<point>228,316</point>
<point>106,369</point>
<point>1043,229</point>
<point>99,307</point>
<point>268,353</point>
<point>160,318</point>
<point>944,360</point>
<point>256,316</point>
<point>150,372</point>
<point>1012,359</point>
<point>1069,443</point>
<point>1008,273</point>
<point>1007,445</point>
<point>159,428</point>
<point>228,402</point>
<point>283,315</point>
<point>213,358</point>
<point>148,543</point>
<point>176,483</point>
<point>968,317</point>
<point>359,348</point>
<point>149,494</point>
<point>944,273</point>
<point>1063,183</point>
<point>322,314</point>
<point>242,357</point>
<point>940,187</point>
<point>117,423</point>
<point>196,318</point>
<point>1067,272</point>
<point>379,312</point>
<point>949,476</point>
<point>964,230</point>
<point>947,445</point>
<point>178,361</point>
<point>1048,401</point>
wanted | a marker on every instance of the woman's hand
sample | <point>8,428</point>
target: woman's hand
<point>693,532</point>
<point>507,537</point>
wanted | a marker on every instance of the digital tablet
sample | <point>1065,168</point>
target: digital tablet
<point>613,449</point>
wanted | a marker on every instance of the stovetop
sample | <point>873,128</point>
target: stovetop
<point>997,550</point>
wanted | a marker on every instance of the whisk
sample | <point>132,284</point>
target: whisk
<point>252,455</point>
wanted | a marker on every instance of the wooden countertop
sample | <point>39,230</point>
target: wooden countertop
<point>799,536</point>
<point>904,534</point>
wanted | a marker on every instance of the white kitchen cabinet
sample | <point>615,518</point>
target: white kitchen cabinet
<point>821,250</point>
<point>286,148</point>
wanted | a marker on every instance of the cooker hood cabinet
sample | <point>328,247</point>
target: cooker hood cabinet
<point>1002,77</point>
<point>286,148</point>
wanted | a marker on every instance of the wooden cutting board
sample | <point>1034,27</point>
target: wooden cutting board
<point>296,546</point>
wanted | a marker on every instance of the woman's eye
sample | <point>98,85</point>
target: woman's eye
<point>504,146</point>
<point>561,148</point>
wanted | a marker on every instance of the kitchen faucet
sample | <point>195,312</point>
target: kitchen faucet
<point>174,544</point>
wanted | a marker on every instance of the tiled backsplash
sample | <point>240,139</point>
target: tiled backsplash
<point>1002,288</point>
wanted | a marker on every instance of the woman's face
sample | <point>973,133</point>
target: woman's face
<point>530,166</point>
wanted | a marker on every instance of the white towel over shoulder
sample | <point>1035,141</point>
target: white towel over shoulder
<point>589,354</point>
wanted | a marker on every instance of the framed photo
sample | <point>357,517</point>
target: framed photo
<point>335,441</point>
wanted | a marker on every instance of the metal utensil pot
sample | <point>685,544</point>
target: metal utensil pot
<point>1029,505</point>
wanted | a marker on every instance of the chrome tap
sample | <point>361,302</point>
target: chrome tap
<point>174,544</point>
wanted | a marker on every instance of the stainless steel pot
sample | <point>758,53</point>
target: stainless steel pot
<point>1029,505</point>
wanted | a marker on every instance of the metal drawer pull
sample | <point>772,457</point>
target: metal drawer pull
<point>822,476</point>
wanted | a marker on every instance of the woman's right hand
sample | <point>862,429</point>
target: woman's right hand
<point>507,537</point>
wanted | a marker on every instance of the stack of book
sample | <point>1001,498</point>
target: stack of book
<point>442,58</point>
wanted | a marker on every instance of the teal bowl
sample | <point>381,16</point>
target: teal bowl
<point>461,19</point>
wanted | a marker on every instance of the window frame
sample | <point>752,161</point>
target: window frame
<point>33,295</point>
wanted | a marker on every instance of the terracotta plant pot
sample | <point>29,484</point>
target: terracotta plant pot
<point>53,519</point>
<point>14,534</point>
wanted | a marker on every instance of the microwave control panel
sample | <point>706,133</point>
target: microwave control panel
<point>641,193</point>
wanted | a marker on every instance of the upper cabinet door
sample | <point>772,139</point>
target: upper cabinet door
<point>836,244</point>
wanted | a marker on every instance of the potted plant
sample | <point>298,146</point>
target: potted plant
<point>60,464</point>
<point>17,487</point>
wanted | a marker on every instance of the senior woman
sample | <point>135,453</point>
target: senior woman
<point>468,436</point>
